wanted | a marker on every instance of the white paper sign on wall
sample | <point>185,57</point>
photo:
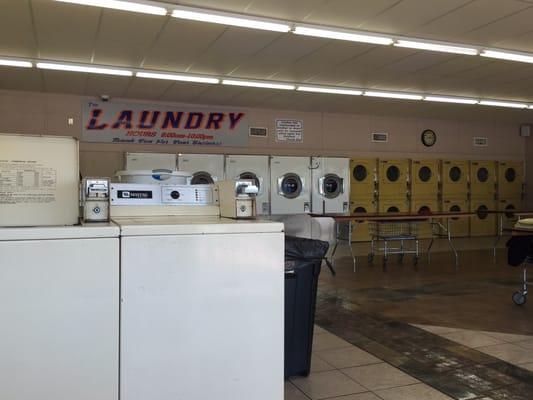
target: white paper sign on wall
<point>289,130</point>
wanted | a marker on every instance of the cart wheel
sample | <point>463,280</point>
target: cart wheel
<point>519,298</point>
<point>415,260</point>
<point>370,258</point>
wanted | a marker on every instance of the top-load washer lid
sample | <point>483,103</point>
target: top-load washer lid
<point>161,176</point>
<point>290,185</point>
<point>455,174</point>
<point>331,186</point>
<point>202,178</point>
<point>254,178</point>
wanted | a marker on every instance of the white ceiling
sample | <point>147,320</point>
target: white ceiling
<point>50,30</point>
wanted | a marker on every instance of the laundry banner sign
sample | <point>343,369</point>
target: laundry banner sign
<point>110,122</point>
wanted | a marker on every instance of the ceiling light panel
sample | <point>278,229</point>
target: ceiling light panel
<point>175,77</point>
<point>351,36</point>
<point>445,48</point>
<point>263,85</point>
<point>15,63</point>
<point>502,104</point>
<point>456,100</point>
<point>330,90</point>
<point>393,95</point>
<point>84,68</point>
<point>216,17</point>
<point>144,7</point>
<point>509,56</point>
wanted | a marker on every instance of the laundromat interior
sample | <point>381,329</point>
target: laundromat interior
<point>266,200</point>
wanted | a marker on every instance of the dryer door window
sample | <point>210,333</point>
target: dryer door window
<point>359,173</point>
<point>455,174</point>
<point>482,212</point>
<point>331,186</point>
<point>393,173</point>
<point>425,174</point>
<point>483,174</point>
<point>509,211</point>
<point>393,209</point>
<point>424,210</point>
<point>290,186</point>
<point>202,178</point>
<point>455,208</point>
<point>253,177</point>
<point>510,175</point>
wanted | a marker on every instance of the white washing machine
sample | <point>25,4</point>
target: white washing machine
<point>331,185</point>
<point>255,168</point>
<point>205,168</point>
<point>202,308</point>
<point>290,185</point>
<point>59,312</point>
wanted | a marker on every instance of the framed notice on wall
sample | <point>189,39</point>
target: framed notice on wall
<point>289,130</point>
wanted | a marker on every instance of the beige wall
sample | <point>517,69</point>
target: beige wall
<point>324,134</point>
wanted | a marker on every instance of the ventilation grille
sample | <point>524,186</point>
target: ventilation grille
<point>257,131</point>
<point>481,141</point>
<point>380,137</point>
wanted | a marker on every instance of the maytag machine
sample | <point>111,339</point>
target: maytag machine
<point>238,198</point>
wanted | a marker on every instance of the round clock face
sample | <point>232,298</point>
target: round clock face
<point>429,138</point>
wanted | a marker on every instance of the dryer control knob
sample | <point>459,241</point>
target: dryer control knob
<point>175,194</point>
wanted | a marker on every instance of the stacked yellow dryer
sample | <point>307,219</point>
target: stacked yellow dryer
<point>483,197</point>
<point>393,178</point>
<point>510,189</point>
<point>454,193</point>
<point>362,193</point>
<point>424,191</point>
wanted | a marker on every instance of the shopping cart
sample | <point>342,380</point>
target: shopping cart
<point>396,231</point>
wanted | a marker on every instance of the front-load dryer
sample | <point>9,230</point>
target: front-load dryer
<point>290,183</point>
<point>331,185</point>
<point>255,168</point>
<point>204,168</point>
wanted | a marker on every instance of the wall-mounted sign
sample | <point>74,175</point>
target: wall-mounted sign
<point>163,125</point>
<point>480,141</point>
<point>289,130</point>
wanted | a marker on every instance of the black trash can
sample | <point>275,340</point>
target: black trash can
<point>303,259</point>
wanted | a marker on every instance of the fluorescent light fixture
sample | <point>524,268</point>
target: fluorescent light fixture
<point>15,63</point>
<point>145,8</point>
<point>174,77</point>
<point>84,68</point>
<point>502,104</point>
<point>393,95</point>
<point>504,55</point>
<point>457,100</point>
<point>342,35</point>
<point>264,85</point>
<point>320,89</point>
<point>216,17</point>
<point>446,48</point>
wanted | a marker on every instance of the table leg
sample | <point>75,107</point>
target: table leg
<point>337,238</point>
<point>431,243</point>
<point>350,243</point>
<point>449,234</point>
<point>498,238</point>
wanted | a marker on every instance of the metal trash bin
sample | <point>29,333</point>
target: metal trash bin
<point>303,259</point>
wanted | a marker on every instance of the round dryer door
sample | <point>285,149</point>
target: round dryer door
<point>483,174</point>
<point>482,212</point>
<point>425,174</point>
<point>359,173</point>
<point>509,211</point>
<point>393,209</point>
<point>455,208</point>
<point>202,178</point>
<point>424,210</point>
<point>510,175</point>
<point>455,174</point>
<point>393,173</point>
<point>331,186</point>
<point>290,185</point>
<point>253,177</point>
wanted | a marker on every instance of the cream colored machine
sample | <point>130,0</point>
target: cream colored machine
<point>237,198</point>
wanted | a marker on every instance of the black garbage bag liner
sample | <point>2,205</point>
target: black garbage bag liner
<point>519,248</point>
<point>297,248</point>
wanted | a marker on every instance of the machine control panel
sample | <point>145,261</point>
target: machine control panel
<point>187,194</point>
<point>95,199</point>
<point>124,194</point>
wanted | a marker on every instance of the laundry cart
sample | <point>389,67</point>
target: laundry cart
<point>454,179</point>
<point>483,223</point>
<point>425,206</point>
<point>510,179</point>
<point>460,227</point>
<point>424,178</point>
<point>482,179</point>
<point>393,177</point>
<point>392,237</point>
<point>360,232</point>
<point>363,178</point>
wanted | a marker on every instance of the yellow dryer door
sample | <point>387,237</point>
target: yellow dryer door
<point>482,224</point>
<point>459,227</point>
<point>424,178</point>
<point>360,229</point>
<point>482,178</point>
<point>510,179</point>
<point>454,176</point>
<point>393,178</point>
<point>362,178</point>
<point>424,207</point>
<point>393,205</point>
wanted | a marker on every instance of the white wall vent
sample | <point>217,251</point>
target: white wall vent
<point>380,137</point>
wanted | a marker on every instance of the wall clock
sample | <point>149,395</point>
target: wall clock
<point>429,138</point>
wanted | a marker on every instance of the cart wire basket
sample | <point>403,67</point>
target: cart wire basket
<point>394,235</point>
